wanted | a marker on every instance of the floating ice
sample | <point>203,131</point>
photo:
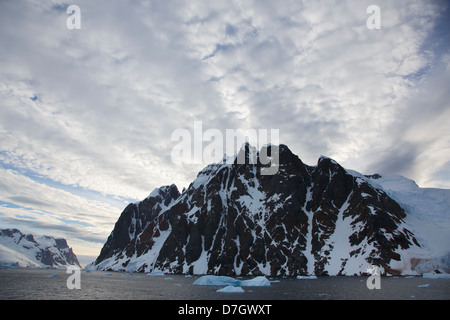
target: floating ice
<point>228,281</point>
<point>156,273</point>
<point>260,281</point>
<point>216,281</point>
<point>306,277</point>
<point>436,276</point>
<point>231,289</point>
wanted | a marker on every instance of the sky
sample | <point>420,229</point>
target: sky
<point>87,115</point>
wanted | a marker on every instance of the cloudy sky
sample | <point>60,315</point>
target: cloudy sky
<point>86,116</point>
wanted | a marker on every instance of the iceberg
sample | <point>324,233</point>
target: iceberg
<point>231,289</point>
<point>216,281</point>
<point>210,280</point>
<point>260,281</point>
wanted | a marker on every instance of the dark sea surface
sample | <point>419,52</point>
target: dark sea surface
<point>48,284</point>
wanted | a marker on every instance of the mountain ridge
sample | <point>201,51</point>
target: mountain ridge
<point>31,251</point>
<point>303,220</point>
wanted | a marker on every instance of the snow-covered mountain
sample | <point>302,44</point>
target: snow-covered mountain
<point>428,216</point>
<point>30,251</point>
<point>303,220</point>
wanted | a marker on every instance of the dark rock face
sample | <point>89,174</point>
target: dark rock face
<point>50,258</point>
<point>135,218</point>
<point>234,221</point>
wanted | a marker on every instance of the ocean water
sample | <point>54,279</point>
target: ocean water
<point>48,284</point>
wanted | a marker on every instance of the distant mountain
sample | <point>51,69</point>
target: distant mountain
<point>27,250</point>
<point>303,220</point>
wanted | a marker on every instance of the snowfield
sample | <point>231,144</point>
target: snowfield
<point>427,216</point>
<point>13,258</point>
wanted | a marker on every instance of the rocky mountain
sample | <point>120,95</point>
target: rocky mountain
<point>135,218</point>
<point>232,220</point>
<point>27,250</point>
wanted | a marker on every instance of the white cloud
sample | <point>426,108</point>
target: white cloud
<point>95,108</point>
<point>39,207</point>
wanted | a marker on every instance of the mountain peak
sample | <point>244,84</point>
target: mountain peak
<point>165,191</point>
<point>326,159</point>
<point>232,220</point>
